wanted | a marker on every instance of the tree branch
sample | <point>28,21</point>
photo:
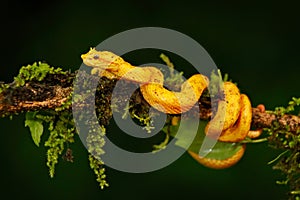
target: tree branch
<point>54,90</point>
<point>50,93</point>
<point>9,106</point>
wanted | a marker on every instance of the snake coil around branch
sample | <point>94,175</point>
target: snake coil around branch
<point>232,118</point>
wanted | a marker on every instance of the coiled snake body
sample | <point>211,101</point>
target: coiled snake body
<point>236,107</point>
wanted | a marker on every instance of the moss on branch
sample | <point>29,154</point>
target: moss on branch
<point>47,92</point>
<point>53,91</point>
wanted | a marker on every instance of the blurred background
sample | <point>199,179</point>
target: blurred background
<point>257,44</point>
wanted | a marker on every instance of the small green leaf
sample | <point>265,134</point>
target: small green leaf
<point>35,126</point>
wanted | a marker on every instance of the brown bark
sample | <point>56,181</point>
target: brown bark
<point>266,119</point>
<point>10,106</point>
<point>38,96</point>
<point>263,119</point>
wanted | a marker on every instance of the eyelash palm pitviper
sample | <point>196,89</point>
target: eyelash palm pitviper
<point>235,125</point>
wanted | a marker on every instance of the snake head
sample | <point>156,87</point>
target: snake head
<point>101,59</point>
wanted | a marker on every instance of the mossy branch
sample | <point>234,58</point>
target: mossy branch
<point>53,91</point>
<point>46,92</point>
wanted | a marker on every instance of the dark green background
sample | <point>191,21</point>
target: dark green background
<point>256,43</point>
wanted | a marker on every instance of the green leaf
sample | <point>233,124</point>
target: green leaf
<point>220,151</point>
<point>35,126</point>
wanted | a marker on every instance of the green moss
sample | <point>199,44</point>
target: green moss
<point>61,126</point>
<point>97,166</point>
<point>59,121</point>
<point>61,135</point>
<point>95,142</point>
<point>36,71</point>
<point>288,161</point>
<point>173,80</point>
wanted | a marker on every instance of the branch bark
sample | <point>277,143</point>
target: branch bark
<point>52,94</point>
<point>9,106</point>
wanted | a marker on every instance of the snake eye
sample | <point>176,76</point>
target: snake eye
<point>96,57</point>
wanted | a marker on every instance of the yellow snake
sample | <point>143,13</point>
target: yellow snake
<point>235,126</point>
